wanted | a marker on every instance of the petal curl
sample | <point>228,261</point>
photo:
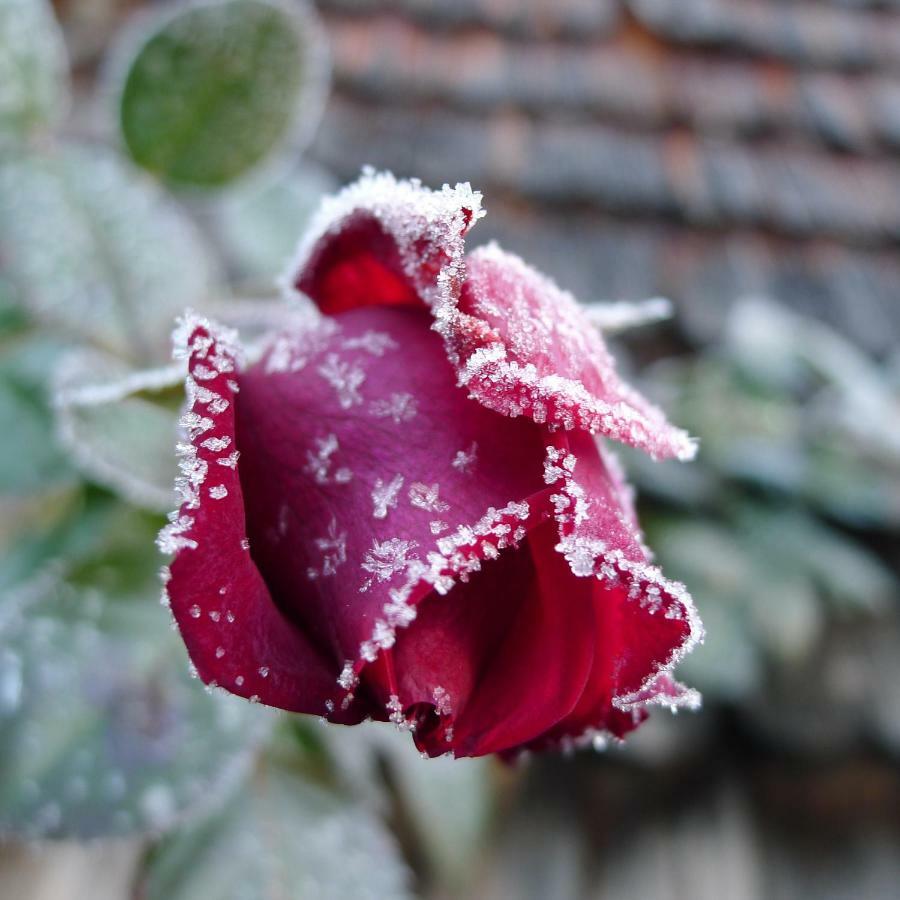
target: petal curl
<point>236,636</point>
<point>523,346</point>
<point>382,242</point>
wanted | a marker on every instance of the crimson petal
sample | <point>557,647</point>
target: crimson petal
<point>643,624</point>
<point>371,481</point>
<point>384,242</point>
<point>236,636</point>
<point>523,346</point>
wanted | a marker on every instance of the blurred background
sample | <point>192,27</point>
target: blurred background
<point>741,157</point>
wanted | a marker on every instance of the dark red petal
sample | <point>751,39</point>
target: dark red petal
<point>370,480</point>
<point>643,624</point>
<point>510,652</point>
<point>384,242</point>
<point>522,346</point>
<point>235,635</point>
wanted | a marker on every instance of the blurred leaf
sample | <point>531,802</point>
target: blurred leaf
<point>102,729</point>
<point>100,252</point>
<point>215,88</point>
<point>261,227</point>
<point>118,439</point>
<point>445,802</point>
<point>30,458</point>
<point>729,664</point>
<point>279,837</point>
<point>33,67</point>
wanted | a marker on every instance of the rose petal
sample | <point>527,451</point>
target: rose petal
<point>370,480</point>
<point>500,659</point>
<point>235,635</point>
<point>643,624</point>
<point>522,346</point>
<point>384,242</point>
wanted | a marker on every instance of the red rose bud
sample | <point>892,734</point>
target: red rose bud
<point>404,511</point>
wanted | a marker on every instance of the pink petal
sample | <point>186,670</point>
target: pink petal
<point>524,347</point>
<point>370,480</point>
<point>384,242</point>
<point>235,635</point>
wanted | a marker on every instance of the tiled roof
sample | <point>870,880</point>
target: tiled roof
<point>702,146</point>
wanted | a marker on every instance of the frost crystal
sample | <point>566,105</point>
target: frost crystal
<point>399,407</point>
<point>333,549</point>
<point>373,342</point>
<point>464,461</point>
<point>346,379</point>
<point>385,496</point>
<point>318,464</point>
<point>424,496</point>
<point>395,709</point>
<point>386,559</point>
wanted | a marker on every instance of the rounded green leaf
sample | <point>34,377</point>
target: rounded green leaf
<point>280,837</point>
<point>216,88</point>
<point>102,729</point>
<point>33,67</point>
<point>100,252</point>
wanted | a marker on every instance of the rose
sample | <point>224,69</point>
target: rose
<point>401,511</point>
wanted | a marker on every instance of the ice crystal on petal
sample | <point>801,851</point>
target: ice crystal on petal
<point>395,710</point>
<point>333,550</point>
<point>318,463</point>
<point>218,492</point>
<point>386,559</point>
<point>345,378</point>
<point>425,496</point>
<point>399,407</point>
<point>348,678</point>
<point>385,496</point>
<point>464,460</point>
<point>373,342</point>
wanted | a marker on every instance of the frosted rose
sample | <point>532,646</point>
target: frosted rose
<point>404,510</point>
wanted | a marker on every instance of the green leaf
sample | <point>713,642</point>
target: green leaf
<point>117,437</point>
<point>261,226</point>
<point>30,458</point>
<point>102,729</point>
<point>216,88</point>
<point>279,837</point>
<point>33,68</point>
<point>100,252</point>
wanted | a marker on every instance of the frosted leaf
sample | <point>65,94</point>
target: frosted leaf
<point>100,252</point>
<point>398,407</point>
<point>386,496</point>
<point>338,849</point>
<point>122,441</point>
<point>79,674</point>
<point>611,318</point>
<point>267,63</point>
<point>33,67</point>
